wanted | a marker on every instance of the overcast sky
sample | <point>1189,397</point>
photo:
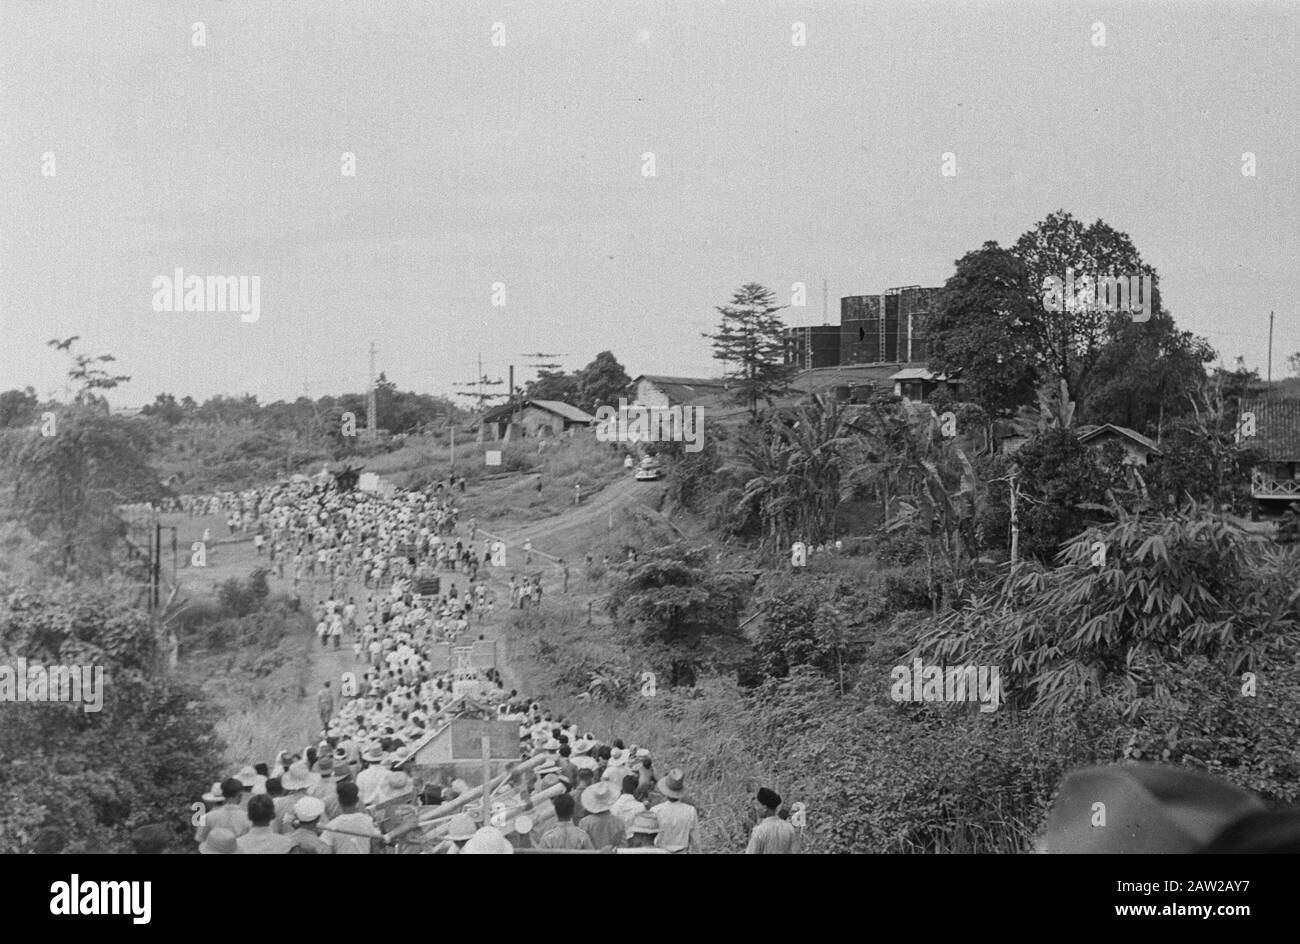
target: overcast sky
<point>522,164</point>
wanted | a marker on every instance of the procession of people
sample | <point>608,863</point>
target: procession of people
<point>336,794</point>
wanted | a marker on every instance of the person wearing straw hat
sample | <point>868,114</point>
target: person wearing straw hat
<point>229,815</point>
<point>678,822</point>
<point>342,769</point>
<point>305,839</point>
<point>520,834</point>
<point>642,833</point>
<point>488,841</point>
<point>460,830</point>
<point>396,784</point>
<point>282,762</point>
<point>371,780</point>
<point>327,788</point>
<point>220,841</point>
<point>618,767</point>
<point>605,829</point>
<point>582,754</point>
<point>772,835</point>
<point>297,781</point>
<point>250,778</point>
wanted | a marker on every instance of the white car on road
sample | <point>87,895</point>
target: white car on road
<point>649,470</point>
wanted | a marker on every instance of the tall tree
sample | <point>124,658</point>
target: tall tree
<point>1070,342</point>
<point>69,483</point>
<point>1144,377</point>
<point>749,340</point>
<point>165,408</point>
<point>17,407</point>
<point>553,385</point>
<point>985,328</point>
<point>800,465</point>
<point>602,381</point>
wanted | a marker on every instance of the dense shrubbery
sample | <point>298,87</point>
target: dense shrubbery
<point>1225,725</point>
<point>1058,473</point>
<point>678,605</point>
<point>1200,463</point>
<point>1170,588</point>
<point>1146,654</point>
<point>801,628</point>
<point>76,781</point>
<point>242,597</point>
<point>880,777</point>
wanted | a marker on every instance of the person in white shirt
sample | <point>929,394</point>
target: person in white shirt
<point>627,805</point>
<point>358,825</point>
<point>678,822</point>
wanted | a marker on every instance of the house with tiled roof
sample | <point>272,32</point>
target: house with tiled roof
<point>532,418</point>
<point>1138,449</point>
<point>1271,430</point>
<point>662,391</point>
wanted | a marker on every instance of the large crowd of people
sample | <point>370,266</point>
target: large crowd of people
<point>355,789</point>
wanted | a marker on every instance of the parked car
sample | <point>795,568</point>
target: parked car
<point>649,470</point>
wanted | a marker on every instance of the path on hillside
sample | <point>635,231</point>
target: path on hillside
<point>568,534</point>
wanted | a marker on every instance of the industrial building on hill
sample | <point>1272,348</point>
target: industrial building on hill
<point>874,329</point>
<point>880,340</point>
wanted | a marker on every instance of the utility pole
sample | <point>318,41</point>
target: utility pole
<point>1270,352</point>
<point>370,398</point>
<point>826,302</point>
<point>156,575</point>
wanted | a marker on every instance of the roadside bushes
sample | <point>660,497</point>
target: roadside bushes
<point>241,597</point>
<point>1238,727</point>
<point>880,777</point>
<point>79,781</point>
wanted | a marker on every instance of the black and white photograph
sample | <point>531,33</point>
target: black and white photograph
<point>532,427</point>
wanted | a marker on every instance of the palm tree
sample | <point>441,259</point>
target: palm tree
<point>1055,411</point>
<point>802,464</point>
<point>946,517</point>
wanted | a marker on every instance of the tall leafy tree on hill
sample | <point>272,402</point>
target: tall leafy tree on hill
<point>1070,342</point>
<point>984,330</point>
<point>553,385</point>
<point>602,381</point>
<point>1144,377</point>
<point>800,465</point>
<point>749,340</point>
<point>68,484</point>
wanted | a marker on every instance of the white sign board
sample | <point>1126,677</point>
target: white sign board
<point>493,456</point>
